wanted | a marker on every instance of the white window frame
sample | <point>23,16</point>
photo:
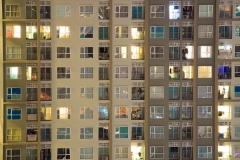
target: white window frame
<point>66,74</point>
<point>237,132</point>
<point>205,51</point>
<point>121,52</point>
<point>119,13</point>
<point>84,134</point>
<point>85,52</point>
<point>85,30</point>
<point>156,132</point>
<point>63,31</point>
<point>205,32</point>
<point>154,113</point>
<point>155,13</point>
<point>65,154</point>
<point>84,114</point>
<point>207,153</point>
<point>9,137</point>
<point>236,111</point>
<point>85,92</point>
<point>209,94</point>
<point>65,13</point>
<point>156,95</point>
<point>85,74</point>
<point>14,96</point>
<point>86,14</point>
<point>208,13</point>
<point>65,53</point>
<point>120,72</point>
<point>123,33</point>
<point>10,72</point>
<point>117,112</point>
<point>65,115</point>
<point>65,95</point>
<point>64,133</point>
<point>205,110</point>
<point>11,156</point>
<point>10,54</point>
<point>119,152</point>
<point>156,155</point>
<point>156,55</point>
<point>8,13</point>
<point>11,30</point>
<point>206,72</point>
<point>156,72</point>
<point>85,153</point>
<point>154,33</point>
<point>207,133</point>
<point>237,54</point>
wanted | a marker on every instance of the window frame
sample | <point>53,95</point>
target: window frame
<point>209,12</point>
<point>207,30</point>
<point>66,135</point>
<point>9,73</point>
<point>10,137</point>
<point>85,74</point>
<point>85,94</point>
<point>86,154</point>
<point>156,72</point>
<point>11,33</point>
<point>12,114</point>
<point>205,153</point>
<point>208,52</point>
<point>66,154</point>
<point>154,54</point>
<point>119,13</point>
<point>84,134</point>
<point>153,112</point>
<point>65,34</point>
<point>86,34</point>
<point>209,133</point>
<point>11,156</point>
<point>12,94</point>
<point>155,34</point>
<point>119,72</point>
<point>156,95</point>
<point>84,114</point>
<point>66,115</point>
<point>66,53</point>
<point>86,14</point>
<point>18,13</point>
<point>156,132</point>
<point>155,154</point>
<point>124,31</point>
<point>205,73</point>
<point>12,54</point>
<point>154,13</point>
<point>209,94</point>
<point>65,13</point>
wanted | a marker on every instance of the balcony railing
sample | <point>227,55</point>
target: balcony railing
<point>31,138</point>
<point>103,76</point>
<point>32,97</point>
<point>32,117</point>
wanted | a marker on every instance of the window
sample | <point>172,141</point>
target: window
<point>86,92</point>
<point>13,10</point>
<point>63,11</point>
<point>225,31</point>
<point>204,111</point>
<point>205,11</point>
<point>63,31</point>
<point>86,153</point>
<point>31,51</point>
<point>13,31</point>
<point>63,52</point>
<point>121,11</point>
<point>31,30</point>
<point>86,133</point>
<point>103,113</point>
<point>138,11</point>
<point>174,150</point>
<point>63,153</point>
<point>236,91</point>
<point>237,71</point>
<point>86,112</point>
<point>137,53</point>
<point>86,32</point>
<point>187,112</point>
<point>46,92</point>
<point>204,131</point>
<point>121,92</point>
<point>86,11</point>
<point>31,10</point>
<point>45,51</point>
<point>121,32</point>
<point>14,134</point>
<point>156,92</point>
<point>46,113</point>
<point>156,152</point>
<point>121,72</point>
<point>103,150</point>
<point>45,132</point>
<point>174,32</point>
<point>138,70</point>
<point>187,32</point>
<point>237,31</point>
<point>31,152</point>
<point>204,51</point>
<point>237,112</point>
<point>14,93</point>
<point>188,10</point>
<point>121,52</point>
<point>63,133</point>
<point>174,132</point>
<point>45,31</point>
<point>156,31</point>
<point>86,52</point>
<point>157,11</point>
<point>45,9</point>
<point>103,33</point>
<point>86,72</point>
<point>156,112</point>
<point>31,71</point>
<point>103,131</point>
<point>14,114</point>
<point>13,52</point>
<point>103,91</point>
<point>204,151</point>
<point>237,132</point>
<point>156,52</point>
<point>138,91</point>
<point>204,91</point>
<point>236,150</point>
<point>137,131</point>
<point>174,52</point>
<point>187,152</point>
<point>121,112</point>
<point>121,152</point>
<point>174,112</point>
<point>13,154</point>
<point>103,72</point>
<point>156,132</point>
<point>237,51</point>
<point>137,112</point>
<point>205,31</point>
<point>187,91</point>
<point>14,73</point>
<point>63,113</point>
<point>173,91</point>
<point>204,71</point>
<point>103,11</point>
<point>225,10</point>
<point>137,30</point>
<point>46,71</point>
<point>174,10</point>
<point>121,132</point>
<point>103,53</point>
<point>63,72</point>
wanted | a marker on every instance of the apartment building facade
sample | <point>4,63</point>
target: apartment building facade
<point>120,79</point>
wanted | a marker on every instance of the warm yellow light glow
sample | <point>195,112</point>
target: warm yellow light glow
<point>29,73</point>
<point>134,33</point>
<point>63,113</point>
<point>225,112</point>
<point>17,32</point>
<point>226,150</point>
<point>135,150</point>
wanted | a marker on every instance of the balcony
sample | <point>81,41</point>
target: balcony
<point>32,135</point>
<point>224,112</point>
<point>187,52</point>
<point>45,96</point>
<point>224,130</point>
<point>187,133</point>
<point>137,73</point>
<point>174,73</point>
<point>103,53</point>
<point>188,12</point>
<point>224,90</point>
<point>137,151</point>
<point>137,93</point>
<point>174,153</point>
<point>32,117</point>
<point>225,150</point>
<point>225,54</point>
<point>103,93</point>
<point>137,133</point>
<point>173,93</point>
<point>31,138</point>
<point>224,70</point>
<point>137,113</point>
<point>32,97</point>
<point>103,133</point>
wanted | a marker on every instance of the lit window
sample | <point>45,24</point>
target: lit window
<point>31,30</point>
<point>86,52</point>
<point>63,153</point>
<point>13,10</point>
<point>121,112</point>
<point>13,31</point>
<point>137,52</point>
<point>204,151</point>
<point>157,11</point>
<point>204,111</point>
<point>63,32</point>
<point>204,51</point>
<point>121,72</point>
<point>156,112</point>
<point>137,30</point>
<point>86,72</point>
<point>204,91</point>
<point>14,134</point>
<point>63,11</point>
<point>63,52</point>
<point>121,92</point>
<point>205,11</point>
<point>63,113</point>
<point>157,92</point>
<point>237,10</point>
<point>45,31</point>
<point>86,32</point>
<point>236,150</point>
<point>86,11</point>
<point>14,72</point>
<point>156,132</point>
<point>121,132</point>
<point>156,52</point>
<point>86,153</point>
<point>174,10</point>
<point>63,133</point>
<point>13,52</point>
<point>121,152</point>
<point>156,31</point>
<point>14,93</point>
<point>121,11</point>
<point>121,52</point>
<point>86,92</point>
<point>156,152</point>
<point>121,32</point>
<point>14,114</point>
<point>204,131</point>
<point>86,133</point>
<point>204,71</point>
<point>157,72</point>
<point>205,31</point>
<point>86,112</point>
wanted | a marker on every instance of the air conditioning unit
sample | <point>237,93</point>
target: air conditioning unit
<point>139,137</point>
<point>104,158</point>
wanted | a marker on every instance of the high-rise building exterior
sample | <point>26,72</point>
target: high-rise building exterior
<point>120,79</point>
